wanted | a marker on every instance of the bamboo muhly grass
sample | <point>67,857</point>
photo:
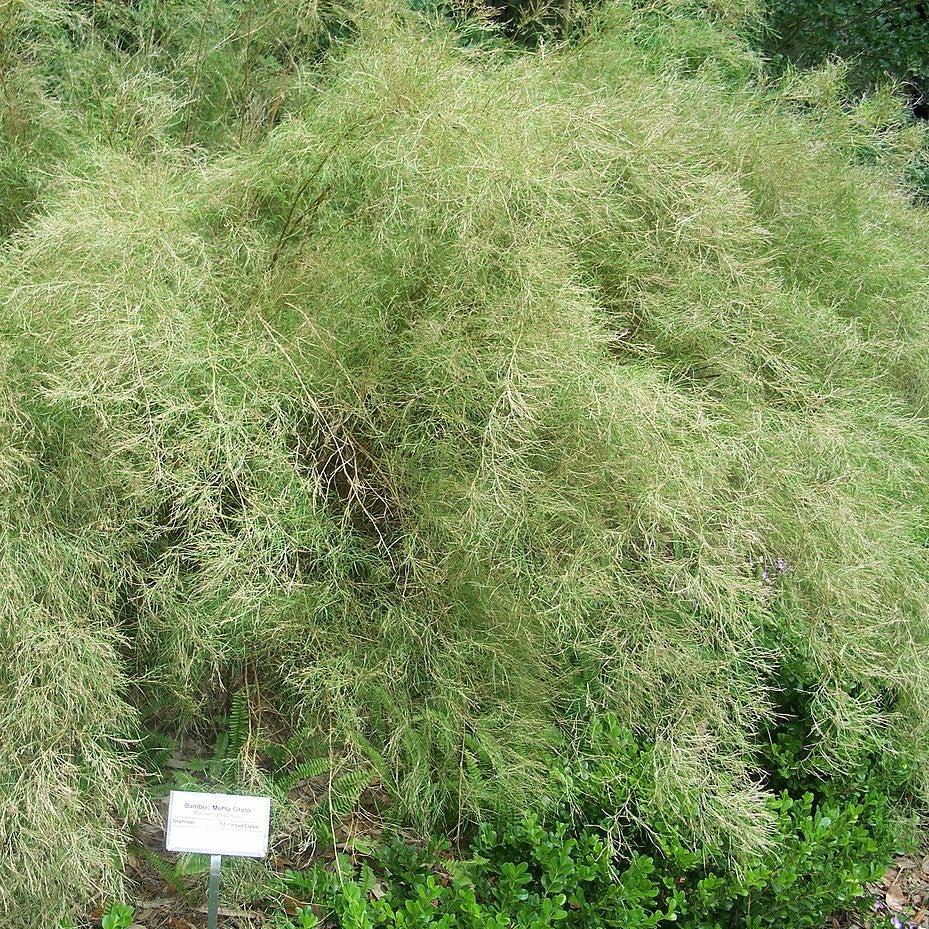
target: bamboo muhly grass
<point>477,395</point>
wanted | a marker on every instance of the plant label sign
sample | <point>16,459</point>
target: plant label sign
<point>218,824</point>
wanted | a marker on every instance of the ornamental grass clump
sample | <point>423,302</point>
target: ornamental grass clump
<point>477,396</point>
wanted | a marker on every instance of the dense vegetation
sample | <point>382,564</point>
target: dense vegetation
<point>503,433</point>
<point>581,872</point>
<point>864,46</point>
<point>880,41</point>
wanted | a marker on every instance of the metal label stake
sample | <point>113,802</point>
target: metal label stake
<point>216,825</point>
<point>212,900</point>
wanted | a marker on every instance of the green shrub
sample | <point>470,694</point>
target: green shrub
<point>825,846</point>
<point>117,916</point>
<point>881,41</point>
<point>523,875</point>
<point>872,46</point>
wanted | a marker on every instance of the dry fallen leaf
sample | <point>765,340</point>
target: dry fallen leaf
<point>153,904</point>
<point>178,922</point>
<point>228,912</point>
<point>894,897</point>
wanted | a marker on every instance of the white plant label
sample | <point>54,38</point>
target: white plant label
<point>218,824</point>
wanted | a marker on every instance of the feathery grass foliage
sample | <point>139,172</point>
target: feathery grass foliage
<point>471,396</point>
<point>145,76</point>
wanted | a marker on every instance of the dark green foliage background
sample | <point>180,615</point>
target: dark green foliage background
<point>879,38</point>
